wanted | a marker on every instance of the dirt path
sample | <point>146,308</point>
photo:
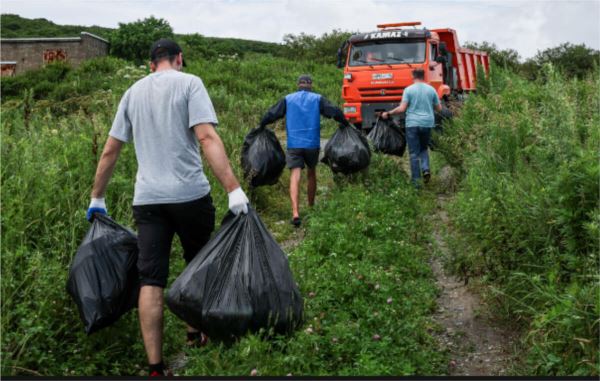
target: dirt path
<point>477,346</point>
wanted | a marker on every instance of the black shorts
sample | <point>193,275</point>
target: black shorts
<point>193,222</point>
<point>297,157</point>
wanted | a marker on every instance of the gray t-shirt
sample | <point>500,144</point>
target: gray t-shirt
<point>158,112</point>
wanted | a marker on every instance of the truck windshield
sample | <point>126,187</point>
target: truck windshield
<point>383,53</point>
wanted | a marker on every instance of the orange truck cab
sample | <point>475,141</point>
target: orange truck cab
<point>379,67</point>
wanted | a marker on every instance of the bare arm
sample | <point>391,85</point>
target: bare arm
<point>404,105</point>
<point>402,108</point>
<point>213,149</point>
<point>106,166</point>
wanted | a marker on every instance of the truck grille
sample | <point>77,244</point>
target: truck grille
<point>392,91</point>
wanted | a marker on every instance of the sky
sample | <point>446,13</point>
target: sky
<point>526,26</point>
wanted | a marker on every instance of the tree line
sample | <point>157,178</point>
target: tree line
<point>132,40</point>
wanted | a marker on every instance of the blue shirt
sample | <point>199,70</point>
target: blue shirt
<point>302,111</point>
<point>421,99</point>
<point>303,119</point>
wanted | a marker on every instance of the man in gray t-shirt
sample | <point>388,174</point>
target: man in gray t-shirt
<point>165,105</point>
<point>166,114</point>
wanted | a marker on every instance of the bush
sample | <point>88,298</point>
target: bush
<point>63,90</point>
<point>575,61</point>
<point>505,58</point>
<point>132,41</point>
<point>42,81</point>
<point>320,49</point>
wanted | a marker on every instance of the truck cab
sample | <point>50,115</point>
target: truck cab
<point>378,67</point>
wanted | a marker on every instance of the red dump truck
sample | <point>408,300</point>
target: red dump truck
<point>378,67</point>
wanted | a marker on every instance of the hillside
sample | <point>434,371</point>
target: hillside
<point>13,26</point>
<point>517,171</point>
<point>65,148</point>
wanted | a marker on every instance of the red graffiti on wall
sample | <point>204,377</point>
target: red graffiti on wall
<point>52,55</point>
<point>8,70</point>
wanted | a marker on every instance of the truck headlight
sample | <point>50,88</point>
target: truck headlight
<point>348,76</point>
<point>349,109</point>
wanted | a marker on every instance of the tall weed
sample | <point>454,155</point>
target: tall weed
<point>527,211</point>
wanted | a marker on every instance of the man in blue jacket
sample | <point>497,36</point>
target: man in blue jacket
<point>302,111</point>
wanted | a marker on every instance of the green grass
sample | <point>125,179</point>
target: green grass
<point>363,245</point>
<point>50,147</point>
<point>526,217</point>
<point>525,223</point>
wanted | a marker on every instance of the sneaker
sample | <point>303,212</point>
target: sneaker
<point>426,176</point>
<point>296,221</point>
<point>160,372</point>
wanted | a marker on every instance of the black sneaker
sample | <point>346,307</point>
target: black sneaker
<point>426,176</point>
<point>159,370</point>
<point>296,221</point>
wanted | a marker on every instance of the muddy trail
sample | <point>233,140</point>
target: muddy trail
<point>478,346</point>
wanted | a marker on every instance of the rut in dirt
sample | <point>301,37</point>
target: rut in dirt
<point>478,346</point>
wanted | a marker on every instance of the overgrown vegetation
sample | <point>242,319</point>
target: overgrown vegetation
<point>347,267</point>
<point>58,82</point>
<point>526,219</point>
<point>573,60</point>
<point>315,48</point>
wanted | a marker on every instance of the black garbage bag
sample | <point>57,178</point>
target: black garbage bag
<point>239,282</point>
<point>388,138</point>
<point>347,151</point>
<point>263,158</point>
<point>103,279</point>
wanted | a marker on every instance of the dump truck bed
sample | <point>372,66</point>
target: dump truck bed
<point>464,60</point>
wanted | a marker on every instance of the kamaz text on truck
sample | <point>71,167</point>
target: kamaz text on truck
<point>379,67</point>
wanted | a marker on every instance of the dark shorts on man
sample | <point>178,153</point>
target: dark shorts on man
<point>192,221</point>
<point>299,157</point>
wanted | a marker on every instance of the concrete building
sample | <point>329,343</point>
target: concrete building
<point>21,54</point>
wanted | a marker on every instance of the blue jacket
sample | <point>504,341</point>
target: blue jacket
<point>302,111</point>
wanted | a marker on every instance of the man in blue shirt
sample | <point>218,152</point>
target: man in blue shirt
<point>418,101</point>
<point>302,111</point>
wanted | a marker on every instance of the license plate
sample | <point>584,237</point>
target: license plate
<point>383,76</point>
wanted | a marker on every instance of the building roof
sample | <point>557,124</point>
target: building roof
<point>52,39</point>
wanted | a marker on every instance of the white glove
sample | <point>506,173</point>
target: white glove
<point>97,205</point>
<point>238,202</point>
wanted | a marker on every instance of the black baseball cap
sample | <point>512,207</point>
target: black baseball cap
<point>305,78</point>
<point>169,47</point>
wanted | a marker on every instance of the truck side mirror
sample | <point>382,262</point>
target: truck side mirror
<point>440,59</point>
<point>339,58</point>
